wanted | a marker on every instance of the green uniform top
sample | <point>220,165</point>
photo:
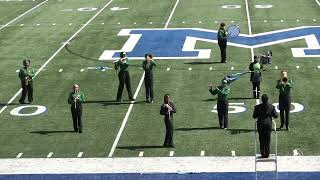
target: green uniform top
<point>256,67</point>
<point>23,73</point>
<point>148,66</point>
<point>222,34</point>
<point>284,89</point>
<point>124,65</point>
<point>222,92</point>
<point>73,95</point>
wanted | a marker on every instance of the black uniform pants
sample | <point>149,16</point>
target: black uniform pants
<point>264,139</point>
<point>284,107</point>
<point>256,89</point>
<point>223,50</point>
<point>26,89</point>
<point>169,131</point>
<point>222,108</point>
<point>124,78</point>
<point>76,117</point>
<point>148,82</point>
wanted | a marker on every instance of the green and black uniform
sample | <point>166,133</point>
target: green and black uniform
<point>284,101</point>
<point>168,121</point>
<point>222,105</point>
<point>124,78</point>
<point>256,78</point>
<point>75,99</point>
<point>148,78</point>
<point>222,41</point>
<point>26,76</point>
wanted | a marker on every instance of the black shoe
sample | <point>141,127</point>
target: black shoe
<point>22,102</point>
<point>148,101</point>
<point>118,100</point>
<point>165,145</point>
<point>288,129</point>
<point>171,146</point>
<point>30,102</point>
<point>80,131</point>
<point>132,99</point>
<point>279,129</point>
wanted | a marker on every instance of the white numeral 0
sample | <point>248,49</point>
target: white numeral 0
<point>296,107</point>
<point>233,108</point>
<point>17,111</point>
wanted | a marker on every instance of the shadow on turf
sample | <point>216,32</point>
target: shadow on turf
<point>239,131</point>
<point>233,98</point>
<point>141,147</point>
<point>50,132</point>
<point>197,129</point>
<point>114,103</point>
<point>199,63</point>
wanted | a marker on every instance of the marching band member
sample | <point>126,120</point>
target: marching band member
<point>256,76</point>
<point>147,65</point>
<point>26,74</point>
<point>124,77</point>
<point>222,105</point>
<point>284,84</point>
<point>167,109</point>
<point>222,41</point>
<point>76,97</point>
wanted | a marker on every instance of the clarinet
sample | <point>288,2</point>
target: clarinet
<point>75,99</point>
<point>27,77</point>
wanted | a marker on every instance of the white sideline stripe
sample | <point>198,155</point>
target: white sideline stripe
<point>50,155</point>
<point>19,155</point>
<point>202,153</point>
<point>23,14</point>
<point>171,153</point>
<point>141,154</point>
<point>80,154</point>
<point>115,143</point>
<point>249,27</point>
<point>152,165</point>
<point>318,2</point>
<point>44,65</point>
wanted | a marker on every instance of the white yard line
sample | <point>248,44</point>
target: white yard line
<point>124,122</point>
<point>61,47</point>
<point>23,14</point>
<point>249,26</point>
<point>152,165</point>
<point>318,2</point>
<point>250,33</point>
